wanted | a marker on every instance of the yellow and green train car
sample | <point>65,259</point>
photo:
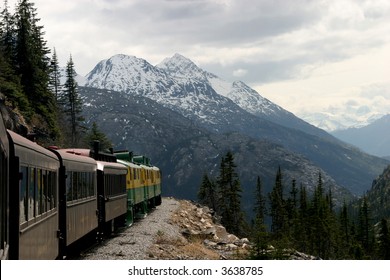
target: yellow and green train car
<point>143,184</point>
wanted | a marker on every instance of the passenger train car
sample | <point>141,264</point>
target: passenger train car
<point>51,199</point>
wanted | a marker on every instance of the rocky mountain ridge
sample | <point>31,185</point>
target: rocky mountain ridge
<point>179,85</point>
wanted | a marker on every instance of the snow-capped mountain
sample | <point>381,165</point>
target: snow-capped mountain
<point>184,71</point>
<point>134,75</point>
<point>223,107</point>
<point>179,84</point>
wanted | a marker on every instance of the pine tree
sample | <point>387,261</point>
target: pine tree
<point>95,134</point>
<point>278,207</point>
<point>229,203</point>
<point>259,234</point>
<point>55,77</point>
<point>384,240</point>
<point>302,227</point>
<point>293,223</point>
<point>32,65</point>
<point>365,230</point>
<point>259,208</point>
<point>207,193</point>
<point>72,105</point>
<point>10,82</point>
<point>345,231</point>
<point>7,34</point>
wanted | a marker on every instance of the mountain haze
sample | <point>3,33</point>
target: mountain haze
<point>222,108</point>
<point>373,138</point>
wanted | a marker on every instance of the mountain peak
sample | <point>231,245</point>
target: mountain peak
<point>176,59</point>
<point>182,67</point>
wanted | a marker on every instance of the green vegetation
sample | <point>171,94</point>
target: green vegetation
<point>224,196</point>
<point>30,81</point>
<point>311,225</point>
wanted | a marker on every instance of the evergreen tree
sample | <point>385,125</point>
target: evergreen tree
<point>302,225</point>
<point>32,65</point>
<point>7,34</point>
<point>259,235</point>
<point>278,208</point>
<point>318,222</point>
<point>229,203</point>
<point>55,76</point>
<point>207,193</point>
<point>72,105</point>
<point>293,223</point>
<point>95,134</point>
<point>365,230</point>
<point>345,231</point>
<point>384,240</point>
<point>10,82</point>
<point>259,208</point>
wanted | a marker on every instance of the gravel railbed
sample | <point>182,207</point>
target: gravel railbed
<point>134,242</point>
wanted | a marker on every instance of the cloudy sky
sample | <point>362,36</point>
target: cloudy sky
<point>311,57</point>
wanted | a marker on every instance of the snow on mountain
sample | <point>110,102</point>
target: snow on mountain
<point>179,84</point>
<point>129,74</point>
<point>183,93</point>
<point>184,71</point>
<point>201,97</point>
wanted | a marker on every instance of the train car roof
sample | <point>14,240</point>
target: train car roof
<point>77,151</point>
<point>111,167</point>
<point>76,160</point>
<point>128,163</point>
<point>18,140</point>
<point>155,168</point>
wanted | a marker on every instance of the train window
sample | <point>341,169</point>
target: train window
<point>31,194</point>
<point>53,190</point>
<point>69,180</point>
<point>82,185</point>
<point>39,197</point>
<point>44,190</point>
<point>92,184</point>
<point>23,198</point>
<point>87,182</point>
<point>75,186</point>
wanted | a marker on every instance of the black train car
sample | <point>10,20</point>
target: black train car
<point>33,200</point>
<point>77,198</point>
<point>4,218</point>
<point>112,201</point>
<point>111,189</point>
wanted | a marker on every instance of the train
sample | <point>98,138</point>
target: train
<point>52,199</point>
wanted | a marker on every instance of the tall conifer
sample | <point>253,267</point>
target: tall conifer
<point>72,105</point>
<point>32,65</point>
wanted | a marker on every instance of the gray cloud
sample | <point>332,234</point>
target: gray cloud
<point>258,41</point>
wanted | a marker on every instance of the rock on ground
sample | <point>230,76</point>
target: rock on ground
<point>174,230</point>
